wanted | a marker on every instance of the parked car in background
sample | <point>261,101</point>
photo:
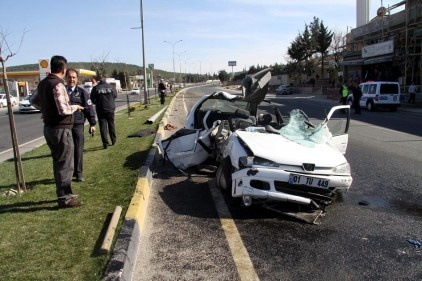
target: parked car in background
<point>25,105</point>
<point>379,94</point>
<point>284,90</point>
<point>88,86</point>
<point>3,100</point>
<point>135,91</point>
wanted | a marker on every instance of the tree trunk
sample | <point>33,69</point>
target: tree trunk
<point>20,179</point>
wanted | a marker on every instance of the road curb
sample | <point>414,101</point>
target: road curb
<point>122,262</point>
<point>123,259</point>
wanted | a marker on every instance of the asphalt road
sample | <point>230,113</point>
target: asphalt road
<point>29,127</point>
<point>193,233</point>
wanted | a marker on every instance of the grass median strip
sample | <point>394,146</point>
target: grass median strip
<point>39,241</point>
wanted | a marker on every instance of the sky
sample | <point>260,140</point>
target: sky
<point>213,32</point>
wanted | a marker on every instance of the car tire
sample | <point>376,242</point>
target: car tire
<point>224,175</point>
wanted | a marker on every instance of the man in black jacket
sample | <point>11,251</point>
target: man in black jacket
<point>79,96</point>
<point>357,94</point>
<point>103,95</point>
<point>162,89</point>
<point>57,116</point>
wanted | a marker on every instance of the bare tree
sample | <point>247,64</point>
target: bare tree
<point>336,47</point>
<point>5,54</point>
<point>336,52</point>
<point>98,64</point>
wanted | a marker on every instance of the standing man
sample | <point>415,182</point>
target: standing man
<point>412,93</point>
<point>162,90</point>
<point>344,92</point>
<point>79,96</point>
<point>357,94</point>
<point>57,116</point>
<point>103,95</point>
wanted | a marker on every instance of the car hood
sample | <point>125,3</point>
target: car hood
<point>284,151</point>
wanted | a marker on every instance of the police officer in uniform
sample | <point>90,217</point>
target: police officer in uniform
<point>79,96</point>
<point>344,92</point>
<point>103,95</point>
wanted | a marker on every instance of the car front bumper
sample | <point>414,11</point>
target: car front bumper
<point>273,184</point>
<point>28,109</point>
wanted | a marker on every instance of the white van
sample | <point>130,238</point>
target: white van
<point>380,94</point>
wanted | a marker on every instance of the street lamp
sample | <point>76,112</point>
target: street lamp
<point>143,54</point>
<point>173,44</point>
<point>180,65</point>
<point>186,78</point>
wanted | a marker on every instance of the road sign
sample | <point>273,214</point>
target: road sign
<point>232,63</point>
<point>44,67</point>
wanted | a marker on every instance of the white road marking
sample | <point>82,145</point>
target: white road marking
<point>24,144</point>
<point>240,255</point>
<point>185,107</point>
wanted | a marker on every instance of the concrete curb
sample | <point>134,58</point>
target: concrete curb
<point>123,259</point>
<point>122,262</point>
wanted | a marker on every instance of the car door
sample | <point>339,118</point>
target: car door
<point>364,88</point>
<point>389,93</point>
<point>338,121</point>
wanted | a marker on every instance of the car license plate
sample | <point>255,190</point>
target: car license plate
<point>309,181</point>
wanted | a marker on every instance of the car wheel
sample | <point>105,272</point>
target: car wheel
<point>370,106</point>
<point>224,175</point>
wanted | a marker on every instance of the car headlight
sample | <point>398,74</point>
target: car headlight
<point>342,169</point>
<point>248,161</point>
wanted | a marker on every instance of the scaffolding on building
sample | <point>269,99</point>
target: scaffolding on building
<point>403,28</point>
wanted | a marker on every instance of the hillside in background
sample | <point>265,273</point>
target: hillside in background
<point>109,68</point>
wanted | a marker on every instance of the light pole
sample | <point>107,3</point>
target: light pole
<point>173,44</point>
<point>186,80</point>
<point>180,65</point>
<point>143,54</point>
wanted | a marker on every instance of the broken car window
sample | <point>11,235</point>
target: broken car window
<point>300,130</point>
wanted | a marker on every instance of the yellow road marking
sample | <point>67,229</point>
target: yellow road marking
<point>240,255</point>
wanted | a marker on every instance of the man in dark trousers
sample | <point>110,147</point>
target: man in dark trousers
<point>344,92</point>
<point>79,96</point>
<point>103,95</point>
<point>162,90</point>
<point>57,115</point>
<point>357,94</point>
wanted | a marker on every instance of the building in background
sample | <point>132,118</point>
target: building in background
<point>388,47</point>
<point>24,82</point>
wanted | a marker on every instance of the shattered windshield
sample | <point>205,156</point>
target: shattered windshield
<point>222,105</point>
<point>300,130</point>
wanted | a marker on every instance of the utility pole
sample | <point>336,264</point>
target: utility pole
<point>143,54</point>
<point>143,58</point>
<point>174,68</point>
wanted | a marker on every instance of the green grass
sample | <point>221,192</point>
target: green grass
<point>38,241</point>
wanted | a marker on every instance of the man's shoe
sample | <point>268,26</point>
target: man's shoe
<point>81,179</point>
<point>113,143</point>
<point>105,146</point>
<point>69,203</point>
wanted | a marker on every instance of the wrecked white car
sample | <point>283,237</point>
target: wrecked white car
<point>260,157</point>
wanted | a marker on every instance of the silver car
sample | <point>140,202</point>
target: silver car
<point>3,100</point>
<point>284,90</point>
<point>25,105</point>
